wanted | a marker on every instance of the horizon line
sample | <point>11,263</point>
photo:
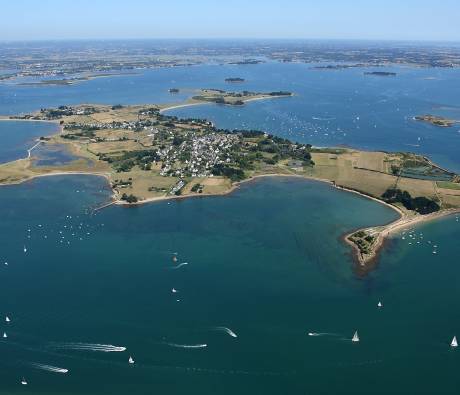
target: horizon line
<point>389,40</point>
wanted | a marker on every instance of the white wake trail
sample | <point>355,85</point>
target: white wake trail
<point>323,119</point>
<point>50,368</point>
<point>186,345</point>
<point>322,334</point>
<point>179,265</point>
<point>90,347</point>
<point>226,330</point>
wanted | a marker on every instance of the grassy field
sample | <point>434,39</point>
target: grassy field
<point>371,173</point>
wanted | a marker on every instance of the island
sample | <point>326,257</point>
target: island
<point>234,79</point>
<point>380,73</point>
<point>343,66</point>
<point>219,96</point>
<point>436,120</point>
<point>148,156</point>
<point>247,61</point>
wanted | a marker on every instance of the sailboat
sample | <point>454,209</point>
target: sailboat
<point>355,337</point>
<point>131,360</point>
<point>25,249</point>
<point>7,319</point>
<point>454,342</point>
<point>23,381</point>
<point>379,304</point>
<point>5,335</point>
<point>174,290</point>
<point>174,258</point>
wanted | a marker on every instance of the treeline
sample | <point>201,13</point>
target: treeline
<point>230,172</point>
<point>126,161</point>
<point>420,204</point>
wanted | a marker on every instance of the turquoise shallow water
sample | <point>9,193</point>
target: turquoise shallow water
<point>266,261</point>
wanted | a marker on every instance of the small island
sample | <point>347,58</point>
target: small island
<point>380,73</point>
<point>343,66</point>
<point>219,96</point>
<point>234,79</point>
<point>436,120</point>
<point>247,61</point>
<point>148,156</point>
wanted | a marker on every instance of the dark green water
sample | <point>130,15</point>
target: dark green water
<point>266,262</point>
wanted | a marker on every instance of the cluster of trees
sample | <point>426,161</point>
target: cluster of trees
<point>284,149</point>
<point>129,198</point>
<point>86,131</point>
<point>126,161</point>
<point>229,172</point>
<point>197,188</point>
<point>280,93</point>
<point>420,204</point>
<point>363,241</point>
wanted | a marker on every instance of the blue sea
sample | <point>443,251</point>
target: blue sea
<point>169,283</point>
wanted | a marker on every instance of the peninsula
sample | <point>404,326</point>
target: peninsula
<point>148,156</point>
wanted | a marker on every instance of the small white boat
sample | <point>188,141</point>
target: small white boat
<point>379,304</point>
<point>131,360</point>
<point>7,319</point>
<point>355,337</point>
<point>5,335</point>
<point>25,249</point>
<point>174,290</point>
<point>454,342</point>
<point>23,381</point>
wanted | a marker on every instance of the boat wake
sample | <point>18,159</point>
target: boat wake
<point>323,119</point>
<point>186,345</point>
<point>88,347</point>
<point>226,330</point>
<point>50,368</point>
<point>316,334</point>
<point>179,265</point>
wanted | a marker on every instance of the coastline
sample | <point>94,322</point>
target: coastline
<point>365,264</point>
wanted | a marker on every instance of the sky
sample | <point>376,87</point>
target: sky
<point>286,19</point>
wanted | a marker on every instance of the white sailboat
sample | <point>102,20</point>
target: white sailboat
<point>454,342</point>
<point>23,381</point>
<point>355,337</point>
<point>7,319</point>
<point>174,290</point>
<point>25,249</point>
<point>131,360</point>
<point>379,304</point>
<point>5,335</point>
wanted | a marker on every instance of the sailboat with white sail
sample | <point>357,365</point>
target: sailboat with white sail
<point>355,337</point>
